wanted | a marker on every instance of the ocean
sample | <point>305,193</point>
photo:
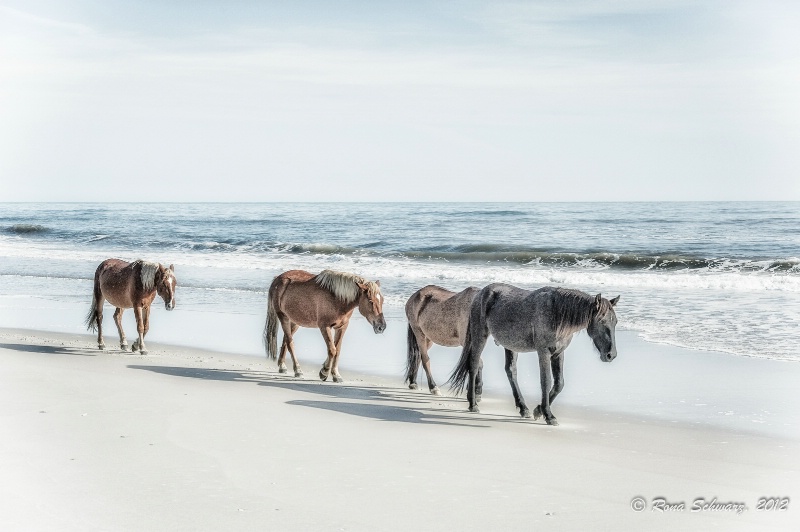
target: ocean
<point>710,276</point>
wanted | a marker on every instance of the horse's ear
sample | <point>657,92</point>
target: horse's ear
<point>378,283</point>
<point>614,301</point>
<point>172,267</point>
<point>598,300</point>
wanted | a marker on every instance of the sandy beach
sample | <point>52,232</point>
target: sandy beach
<point>206,173</point>
<point>186,439</point>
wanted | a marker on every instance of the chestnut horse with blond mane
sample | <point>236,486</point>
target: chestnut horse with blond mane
<point>326,301</point>
<point>130,285</point>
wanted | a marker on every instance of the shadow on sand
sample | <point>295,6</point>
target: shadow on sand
<point>366,401</point>
<point>51,350</point>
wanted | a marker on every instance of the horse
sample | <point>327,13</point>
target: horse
<point>542,320</point>
<point>327,300</point>
<point>130,285</point>
<point>435,316</point>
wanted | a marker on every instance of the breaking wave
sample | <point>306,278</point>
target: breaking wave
<point>26,229</point>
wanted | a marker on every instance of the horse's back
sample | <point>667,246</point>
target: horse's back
<point>498,297</point>
<point>296,276</point>
<point>424,297</point>
<point>282,281</point>
<point>111,265</point>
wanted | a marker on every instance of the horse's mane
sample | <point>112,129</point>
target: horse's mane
<point>573,309</point>
<point>344,286</point>
<point>148,274</point>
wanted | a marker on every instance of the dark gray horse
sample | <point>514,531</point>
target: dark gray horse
<point>544,321</point>
<point>435,316</point>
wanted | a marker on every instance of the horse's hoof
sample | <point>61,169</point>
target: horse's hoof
<point>435,391</point>
<point>338,378</point>
<point>537,412</point>
<point>525,413</point>
<point>298,374</point>
<point>477,398</point>
<point>283,370</point>
<point>413,386</point>
<point>552,421</point>
<point>474,409</point>
<point>101,347</point>
<point>323,376</point>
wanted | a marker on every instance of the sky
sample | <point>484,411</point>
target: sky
<point>607,100</point>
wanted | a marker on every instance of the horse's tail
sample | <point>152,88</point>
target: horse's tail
<point>475,339</point>
<point>97,300</point>
<point>271,327</point>
<point>458,379</point>
<point>412,362</point>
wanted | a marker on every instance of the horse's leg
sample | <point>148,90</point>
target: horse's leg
<point>100,343</point>
<point>557,364</point>
<point>289,328</point>
<point>337,344</point>
<point>479,383</point>
<point>298,372</point>
<point>547,382</point>
<point>416,342</point>
<point>138,345</point>
<point>123,343</point>
<point>511,373</point>
<point>475,364</point>
<point>426,364</point>
<point>146,315</point>
<point>327,335</point>
<point>288,333</point>
<point>474,342</point>
<point>282,356</point>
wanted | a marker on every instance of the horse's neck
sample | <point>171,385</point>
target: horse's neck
<point>589,310</point>
<point>569,330</point>
<point>344,306</point>
<point>578,315</point>
<point>147,272</point>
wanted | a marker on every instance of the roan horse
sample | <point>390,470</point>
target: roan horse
<point>130,285</point>
<point>544,321</point>
<point>301,299</point>
<point>435,316</point>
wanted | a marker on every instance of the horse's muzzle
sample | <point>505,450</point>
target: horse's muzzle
<point>609,357</point>
<point>169,305</point>
<point>379,327</point>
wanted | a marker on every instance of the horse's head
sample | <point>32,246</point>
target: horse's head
<point>602,326</point>
<point>166,285</point>
<point>370,305</point>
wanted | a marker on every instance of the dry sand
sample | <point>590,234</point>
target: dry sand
<point>184,439</point>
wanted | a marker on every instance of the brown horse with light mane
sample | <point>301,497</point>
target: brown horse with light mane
<point>130,285</point>
<point>326,301</point>
<point>435,316</point>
